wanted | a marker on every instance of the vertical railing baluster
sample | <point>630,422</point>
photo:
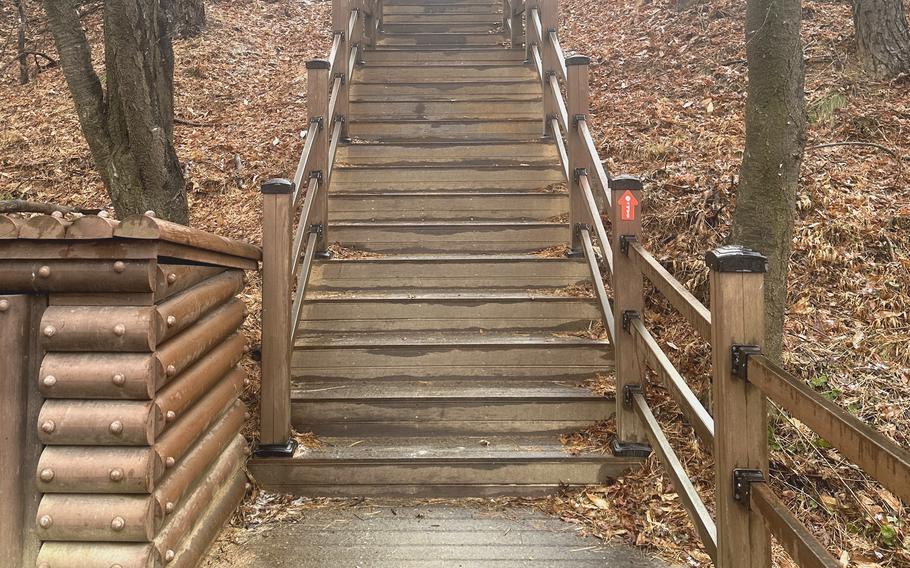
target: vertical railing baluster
<point>628,303</point>
<point>740,409</point>
<point>548,10</point>
<point>577,106</point>
<point>317,109</point>
<point>275,393</point>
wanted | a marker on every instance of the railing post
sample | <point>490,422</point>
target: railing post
<point>317,109</point>
<point>341,14</point>
<point>359,29</point>
<point>516,39</point>
<point>275,395</point>
<point>740,409</point>
<point>577,106</point>
<point>549,14</point>
<point>530,5</point>
<point>628,303</point>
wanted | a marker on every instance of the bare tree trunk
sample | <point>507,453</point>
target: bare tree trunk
<point>187,17</point>
<point>775,140</point>
<point>130,126</point>
<point>882,37</point>
<point>23,54</point>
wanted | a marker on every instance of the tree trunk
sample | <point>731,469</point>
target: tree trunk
<point>130,127</point>
<point>775,139</point>
<point>23,54</point>
<point>882,37</point>
<point>187,17</point>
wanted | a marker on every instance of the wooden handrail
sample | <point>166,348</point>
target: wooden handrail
<point>679,390</point>
<point>538,62</point>
<point>352,61</point>
<point>303,278</point>
<point>789,532</point>
<point>561,113</point>
<point>536,25</point>
<point>597,222</point>
<point>603,301</point>
<point>884,460</point>
<point>352,22</point>
<point>602,177</point>
<point>303,224</point>
<point>561,147</point>
<point>558,54</point>
<point>333,98</point>
<point>698,513</point>
<point>333,52</point>
<point>303,165</point>
<point>672,289</point>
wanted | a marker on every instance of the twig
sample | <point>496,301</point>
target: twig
<point>191,123</point>
<point>23,206</point>
<point>885,149</point>
<point>51,61</point>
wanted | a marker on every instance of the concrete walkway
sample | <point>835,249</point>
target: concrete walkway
<point>388,536</point>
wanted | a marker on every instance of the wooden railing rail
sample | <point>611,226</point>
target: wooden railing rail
<point>289,210</point>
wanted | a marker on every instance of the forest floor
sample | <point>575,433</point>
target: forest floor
<point>668,96</point>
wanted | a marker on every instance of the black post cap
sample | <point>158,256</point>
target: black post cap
<point>318,64</point>
<point>626,182</point>
<point>277,186</point>
<point>578,60</point>
<point>736,258</point>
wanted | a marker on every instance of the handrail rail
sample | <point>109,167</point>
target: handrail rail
<point>602,177</point>
<point>884,460</point>
<point>558,54</point>
<point>603,301</point>
<point>561,113</point>
<point>704,524</point>
<point>337,38</point>
<point>303,165</point>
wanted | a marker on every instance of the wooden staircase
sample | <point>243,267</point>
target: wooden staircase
<point>447,355</point>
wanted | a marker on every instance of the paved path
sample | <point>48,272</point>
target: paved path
<point>422,536</point>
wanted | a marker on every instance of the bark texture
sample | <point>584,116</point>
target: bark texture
<point>20,41</point>
<point>775,140</point>
<point>129,125</point>
<point>187,17</point>
<point>882,37</point>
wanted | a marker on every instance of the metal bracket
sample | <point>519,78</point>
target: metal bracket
<point>320,120</point>
<point>340,118</point>
<point>739,359</point>
<point>742,483</point>
<point>579,227</point>
<point>578,173</point>
<point>630,449</point>
<point>317,228</point>
<point>341,76</point>
<point>629,392</point>
<point>578,118</point>
<point>317,174</point>
<point>624,241</point>
<point>285,450</point>
<point>627,317</point>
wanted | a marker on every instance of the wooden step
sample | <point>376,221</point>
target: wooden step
<point>436,17</point>
<point>350,407</point>
<point>447,206</point>
<point>452,27</point>
<point>483,3</point>
<point>453,91</point>
<point>444,10</point>
<point>438,312</point>
<point>486,154</point>
<point>413,274</point>
<point>468,178</point>
<point>464,466</point>
<point>441,39</point>
<point>422,350</point>
<point>448,130</point>
<point>445,74</point>
<point>448,237</point>
<point>461,110</point>
<point>442,56</point>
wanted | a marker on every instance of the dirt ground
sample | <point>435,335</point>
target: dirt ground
<point>668,95</point>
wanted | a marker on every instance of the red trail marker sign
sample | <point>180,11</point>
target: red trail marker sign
<point>627,204</point>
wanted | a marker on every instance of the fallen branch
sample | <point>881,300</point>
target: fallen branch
<point>51,61</point>
<point>885,149</point>
<point>23,206</point>
<point>191,123</point>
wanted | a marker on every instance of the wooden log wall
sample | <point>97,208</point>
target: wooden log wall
<point>135,384</point>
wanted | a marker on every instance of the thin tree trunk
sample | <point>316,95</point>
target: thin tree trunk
<point>187,17</point>
<point>775,140</point>
<point>23,54</point>
<point>882,37</point>
<point>130,126</point>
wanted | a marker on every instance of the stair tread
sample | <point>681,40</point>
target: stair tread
<point>444,449</point>
<point>450,339</point>
<point>440,296</point>
<point>437,390</point>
